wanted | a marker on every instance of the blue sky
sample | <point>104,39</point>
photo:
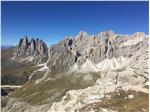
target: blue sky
<point>52,21</point>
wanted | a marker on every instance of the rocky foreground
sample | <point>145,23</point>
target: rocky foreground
<point>106,72</point>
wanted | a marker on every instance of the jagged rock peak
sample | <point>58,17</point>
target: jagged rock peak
<point>106,34</point>
<point>34,47</point>
<point>82,33</point>
<point>138,35</point>
<point>95,48</point>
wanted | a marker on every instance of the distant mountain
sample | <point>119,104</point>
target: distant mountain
<point>96,48</point>
<point>66,53</point>
<point>35,48</point>
<point>106,72</point>
<point>7,46</point>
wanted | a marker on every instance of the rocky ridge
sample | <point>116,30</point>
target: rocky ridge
<point>119,63</point>
<point>35,48</point>
<point>131,76</point>
<point>96,48</point>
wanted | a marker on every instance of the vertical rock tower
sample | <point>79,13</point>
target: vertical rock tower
<point>35,48</point>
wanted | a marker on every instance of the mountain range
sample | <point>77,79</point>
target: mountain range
<point>106,72</point>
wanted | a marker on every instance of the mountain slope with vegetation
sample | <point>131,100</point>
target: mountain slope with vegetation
<point>106,72</point>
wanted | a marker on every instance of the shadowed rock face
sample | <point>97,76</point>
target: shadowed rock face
<point>96,48</point>
<point>104,51</point>
<point>62,56</point>
<point>36,48</point>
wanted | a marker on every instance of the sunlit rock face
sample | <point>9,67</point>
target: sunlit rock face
<point>35,48</point>
<point>117,59</point>
<point>96,48</point>
<point>128,81</point>
<point>112,68</point>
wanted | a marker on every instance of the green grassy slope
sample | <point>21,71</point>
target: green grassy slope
<point>13,72</point>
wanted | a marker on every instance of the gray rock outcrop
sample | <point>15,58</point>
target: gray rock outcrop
<point>62,56</point>
<point>94,47</point>
<point>36,48</point>
<point>122,61</point>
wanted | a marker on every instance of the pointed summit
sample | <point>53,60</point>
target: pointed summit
<point>25,40</point>
<point>35,48</point>
<point>108,33</point>
<point>82,33</point>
